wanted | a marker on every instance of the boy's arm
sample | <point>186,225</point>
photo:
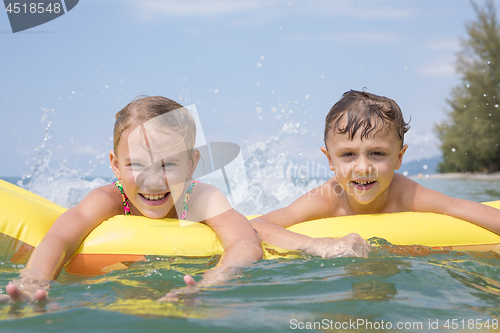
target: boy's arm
<point>316,204</point>
<point>427,200</point>
<point>310,206</point>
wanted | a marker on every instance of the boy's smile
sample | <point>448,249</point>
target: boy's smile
<point>364,168</point>
<point>363,185</point>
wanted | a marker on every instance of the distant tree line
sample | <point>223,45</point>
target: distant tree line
<point>470,136</point>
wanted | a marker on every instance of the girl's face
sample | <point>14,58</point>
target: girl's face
<point>153,166</point>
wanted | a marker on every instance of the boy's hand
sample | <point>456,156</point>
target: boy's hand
<point>352,245</point>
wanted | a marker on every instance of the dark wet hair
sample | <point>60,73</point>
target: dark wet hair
<point>364,112</point>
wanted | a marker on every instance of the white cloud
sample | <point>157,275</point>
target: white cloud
<point>440,67</point>
<point>371,37</point>
<point>361,9</point>
<point>201,8</point>
<point>422,143</point>
<point>443,44</point>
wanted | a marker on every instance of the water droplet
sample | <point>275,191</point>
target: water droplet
<point>272,92</point>
<point>406,68</point>
<point>258,84</point>
<point>468,85</point>
<point>258,109</point>
<point>453,149</point>
<point>485,95</point>
<point>425,167</point>
<point>262,58</point>
<point>259,64</point>
<point>216,90</point>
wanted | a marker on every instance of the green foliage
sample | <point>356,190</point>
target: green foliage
<point>470,137</point>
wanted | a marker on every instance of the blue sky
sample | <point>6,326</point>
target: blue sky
<point>249,66</point>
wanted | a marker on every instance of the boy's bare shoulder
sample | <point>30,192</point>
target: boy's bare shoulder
<point>324,199</point>
<point>401,181</point>
<point>403,192</point>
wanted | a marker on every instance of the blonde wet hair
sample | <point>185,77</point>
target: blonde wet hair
<point>145,108</point>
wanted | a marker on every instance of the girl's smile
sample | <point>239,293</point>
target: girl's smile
<point>153,166</point>
<point>154,199</point>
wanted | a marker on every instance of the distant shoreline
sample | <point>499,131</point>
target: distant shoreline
<point>459,175</point>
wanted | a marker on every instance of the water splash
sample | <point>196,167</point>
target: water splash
<point>61,184</point>
<point>273,179</point>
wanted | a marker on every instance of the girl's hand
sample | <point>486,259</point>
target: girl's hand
<point>31,286</point>
<point>176,294</point>
<point>214,276</point>
<point>352,245</point>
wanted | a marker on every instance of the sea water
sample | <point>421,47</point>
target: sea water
<point>390,291</point>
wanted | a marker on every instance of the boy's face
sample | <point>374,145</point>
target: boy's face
<point>365,168</point>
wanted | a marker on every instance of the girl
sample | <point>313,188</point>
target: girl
<point>153,159</point>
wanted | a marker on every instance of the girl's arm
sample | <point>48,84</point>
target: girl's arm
<point>60,243</point>
<point>239,240</point>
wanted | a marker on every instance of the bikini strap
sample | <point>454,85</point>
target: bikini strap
<point>186,199</point>
<point>126,205</point>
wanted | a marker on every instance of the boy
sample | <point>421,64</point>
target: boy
<point>364,145</point>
